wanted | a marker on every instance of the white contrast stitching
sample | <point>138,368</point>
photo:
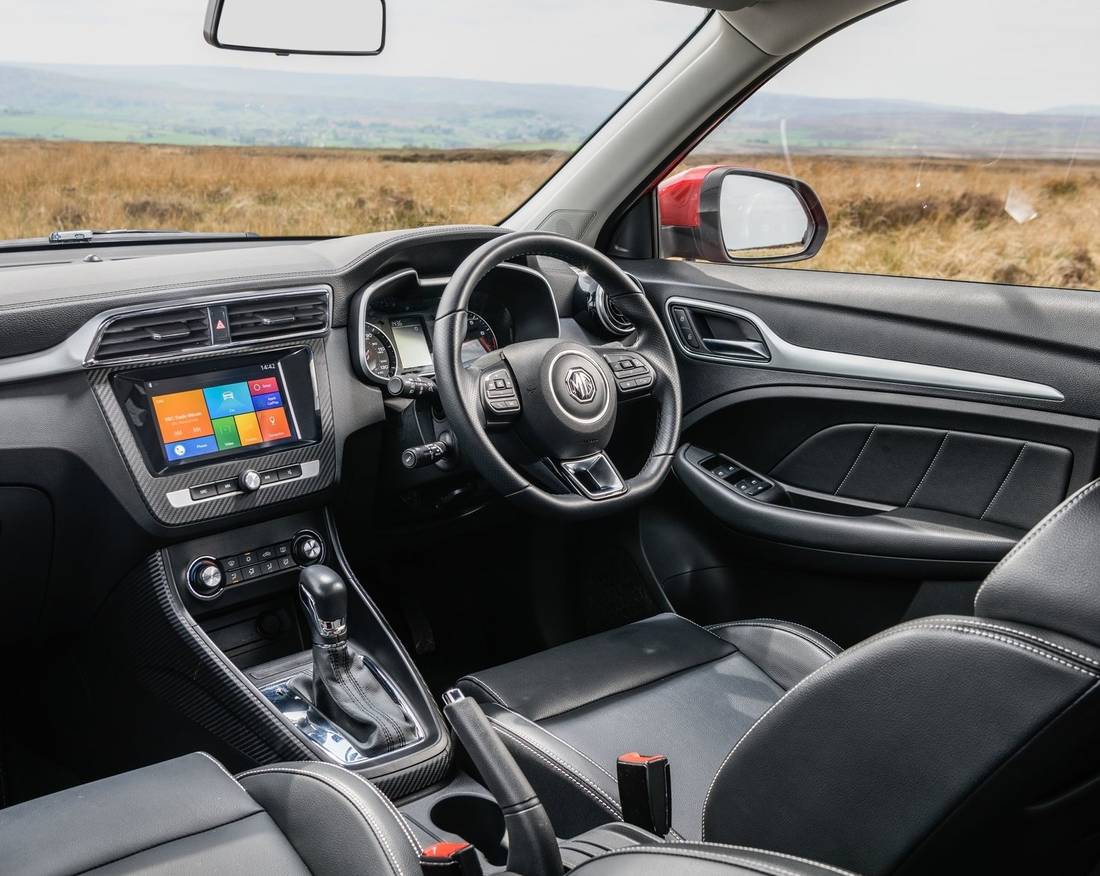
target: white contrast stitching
<point>349,795</point>
<point>393,811</point>
<point>855,462</point>
<point>801,860</point>
<point>1054,645</point>
<point>973,632</point>
<point>798,626</point>
<point>221,766</point>
<point>1004,480</point>
<point>1031,536</point>
<point>671,850</point>
<point>764,626</point>
<point>928,471</point>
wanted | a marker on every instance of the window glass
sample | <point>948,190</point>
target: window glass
<point>945,139</point>
<point>115,114</point>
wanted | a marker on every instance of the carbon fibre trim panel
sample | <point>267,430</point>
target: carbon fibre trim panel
<point>172,659</point>
<point>154,490</point>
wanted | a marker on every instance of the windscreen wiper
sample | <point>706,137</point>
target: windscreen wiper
<point>88,235</point>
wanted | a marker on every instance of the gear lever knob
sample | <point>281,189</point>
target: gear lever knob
<point>325,598</point>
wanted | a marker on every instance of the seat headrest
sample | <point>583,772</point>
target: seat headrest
<point>1051,579</point>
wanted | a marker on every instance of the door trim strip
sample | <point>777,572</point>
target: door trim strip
<point>786,356</point>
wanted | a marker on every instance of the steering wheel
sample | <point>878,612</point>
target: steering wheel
<point>556,400</point>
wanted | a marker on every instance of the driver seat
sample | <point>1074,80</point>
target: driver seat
<point>940,742</point>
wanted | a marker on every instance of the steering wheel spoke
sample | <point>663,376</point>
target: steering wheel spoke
<point>633,374</point>
<point>498,389</point>
<point>595,477</point>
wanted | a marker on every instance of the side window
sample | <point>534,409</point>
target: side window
<point>945,140</point>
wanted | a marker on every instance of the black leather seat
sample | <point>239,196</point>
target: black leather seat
<point>567,713</point>
<point>941,742</point>
<point>189,815</point>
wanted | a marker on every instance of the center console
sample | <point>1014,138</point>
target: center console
<point>207,437</point>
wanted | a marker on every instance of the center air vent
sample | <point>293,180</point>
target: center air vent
<point>278,316</point>
<point>153,334</point>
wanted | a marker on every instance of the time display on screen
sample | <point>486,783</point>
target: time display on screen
<point>222,418</point>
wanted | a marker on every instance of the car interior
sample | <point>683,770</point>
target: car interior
<point>594,540</point>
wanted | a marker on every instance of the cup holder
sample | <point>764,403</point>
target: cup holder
<point>477,820</point>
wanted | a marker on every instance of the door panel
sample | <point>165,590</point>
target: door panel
<point>943,420</point>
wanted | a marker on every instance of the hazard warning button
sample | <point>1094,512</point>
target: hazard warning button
<point>219,324</point>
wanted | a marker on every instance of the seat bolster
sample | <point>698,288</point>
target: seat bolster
<point>118,819</point>
<point>335,819</point>
<point>702,859</point>
<point>569,783</point>
<point>787,652</point>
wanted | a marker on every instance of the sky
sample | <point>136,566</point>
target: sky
<point>1006,55</point>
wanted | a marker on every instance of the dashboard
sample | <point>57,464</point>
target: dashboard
<point>155,395</point>
<point>393,317</point>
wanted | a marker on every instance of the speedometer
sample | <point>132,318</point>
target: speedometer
<point>480,338</point>
<point>379,356</point>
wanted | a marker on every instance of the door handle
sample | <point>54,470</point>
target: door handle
<point>738,349</point>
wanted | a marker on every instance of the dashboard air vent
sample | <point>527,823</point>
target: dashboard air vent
<point>278,316</point>
<point>153,334</point>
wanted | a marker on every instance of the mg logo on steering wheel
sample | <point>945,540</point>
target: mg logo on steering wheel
<point>581,385</point>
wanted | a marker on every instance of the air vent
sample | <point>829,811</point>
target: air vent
<point>609,315</point>
<point>278,316</point>
<point>153,334</point>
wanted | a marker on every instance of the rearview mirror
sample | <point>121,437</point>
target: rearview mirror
<point>291,27</point>
<point>727,214</point>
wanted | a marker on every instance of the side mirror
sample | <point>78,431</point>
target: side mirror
<point>290,27</point>
<point>749,217</point>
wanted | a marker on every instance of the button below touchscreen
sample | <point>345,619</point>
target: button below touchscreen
<point>221,418</point>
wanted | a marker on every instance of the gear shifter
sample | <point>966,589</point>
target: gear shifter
<point>346,688</point>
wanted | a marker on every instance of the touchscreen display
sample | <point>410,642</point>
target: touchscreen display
<point>411,342</point>
<point>221,414</point>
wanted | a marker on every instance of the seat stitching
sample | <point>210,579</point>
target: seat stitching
<point>394,811</point>
<point>764,626</point>
<point>787,623</point>
<point>670,850</point>
<point>171,840</point>
<point>1031,536</point>
<point>348,795</point>
<point>855,461</point>
<point>1004,480</point>
<point>499,699</point>
<point>1032,636</point>
<point>736,745</point>
<point>928,471</point>
<point>798,858</point>
<point>221,766</point>
<point>973,632</point>
<point>571,775</point>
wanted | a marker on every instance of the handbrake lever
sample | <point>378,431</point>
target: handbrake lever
<point>532,846</point>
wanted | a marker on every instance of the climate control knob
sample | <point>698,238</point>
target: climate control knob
<point>249,480</point>
<point>307,548</point>
<point>205,579</point>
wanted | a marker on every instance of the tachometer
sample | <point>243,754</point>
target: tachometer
<point>480,337</point>
<point>379,355</point>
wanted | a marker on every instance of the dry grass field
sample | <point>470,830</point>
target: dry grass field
<point>936,217</point>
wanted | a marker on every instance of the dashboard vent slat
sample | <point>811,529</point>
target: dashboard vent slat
<point>149,334</point>
<point>278,316</point>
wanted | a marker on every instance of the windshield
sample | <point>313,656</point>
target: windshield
<point>112,117</point>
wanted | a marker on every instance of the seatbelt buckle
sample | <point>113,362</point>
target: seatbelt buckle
<point>444,859</point>
<point>645,791</point>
